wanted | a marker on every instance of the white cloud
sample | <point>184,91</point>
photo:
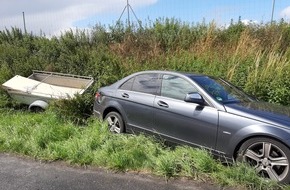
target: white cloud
<point>249,22</point>
<point>53,16</point>
<point>285,13</point>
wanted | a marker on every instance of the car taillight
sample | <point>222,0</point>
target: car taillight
<point>97,94</point>
<point>98,97</point>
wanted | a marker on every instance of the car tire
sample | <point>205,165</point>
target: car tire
<point>269,157</point>
<point>115,122</point>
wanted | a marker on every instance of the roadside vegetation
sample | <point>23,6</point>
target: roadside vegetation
<point>46,137</point>
<point>253,57</point>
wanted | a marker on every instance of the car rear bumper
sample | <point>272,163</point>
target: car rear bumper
<point>97,114</point>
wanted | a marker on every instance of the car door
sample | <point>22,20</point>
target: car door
<point>136,97</point>
<point>182,121</point>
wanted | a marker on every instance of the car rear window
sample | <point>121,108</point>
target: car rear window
<point>128,84</point>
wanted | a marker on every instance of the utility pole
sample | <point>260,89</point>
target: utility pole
<point>128,8</point>
<point>128,11</point>
<point>23,15</point>
<point>273,7</point>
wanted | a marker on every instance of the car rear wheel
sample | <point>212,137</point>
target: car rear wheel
<point>115,122</point>
<point>269,157</point>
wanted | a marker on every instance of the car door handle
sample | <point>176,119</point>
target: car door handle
<point>125,95</point>
<point>162,104</point>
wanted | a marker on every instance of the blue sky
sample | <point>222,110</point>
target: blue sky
<point>194,11</point>
<point>53,16</point>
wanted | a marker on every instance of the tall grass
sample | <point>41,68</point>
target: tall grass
<point>254,57</point>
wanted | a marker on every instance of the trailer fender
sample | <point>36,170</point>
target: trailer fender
<point>38,105</point>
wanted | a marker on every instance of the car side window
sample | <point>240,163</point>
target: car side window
<point>146,83</point>
<point>175,87</point>
<point>128,84</point>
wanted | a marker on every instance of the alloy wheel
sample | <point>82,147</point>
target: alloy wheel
<point>268,159</point>
<point>115,122</point>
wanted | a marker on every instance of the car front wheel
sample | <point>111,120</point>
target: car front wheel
<point>269,157</point>
<point>115,122</point>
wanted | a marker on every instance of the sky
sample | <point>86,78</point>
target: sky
<point>52,17</point>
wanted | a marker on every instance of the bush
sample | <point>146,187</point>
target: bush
<point>254,57</point>
<point>76,110</point>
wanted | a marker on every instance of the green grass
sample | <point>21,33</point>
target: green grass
<point>44,136</point>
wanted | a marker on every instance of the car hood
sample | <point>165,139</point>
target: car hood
<point>262,111</point>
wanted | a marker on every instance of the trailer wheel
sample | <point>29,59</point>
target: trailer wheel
<point>36,109</point>
<point>38,106</point>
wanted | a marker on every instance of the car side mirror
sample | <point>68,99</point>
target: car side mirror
<point>194,97</point>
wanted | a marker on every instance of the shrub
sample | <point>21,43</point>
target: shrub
<point>76,110</point>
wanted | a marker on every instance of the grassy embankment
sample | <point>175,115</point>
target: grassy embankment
<point>44,136</point>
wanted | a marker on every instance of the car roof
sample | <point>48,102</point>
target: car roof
<point>186,74</point>
<point>169,72</point>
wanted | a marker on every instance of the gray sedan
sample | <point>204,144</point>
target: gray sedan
<point>201,111</point>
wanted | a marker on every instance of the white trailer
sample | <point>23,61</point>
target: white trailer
<point>41,87</point>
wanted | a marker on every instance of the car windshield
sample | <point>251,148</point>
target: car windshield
<point>221,90</point>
